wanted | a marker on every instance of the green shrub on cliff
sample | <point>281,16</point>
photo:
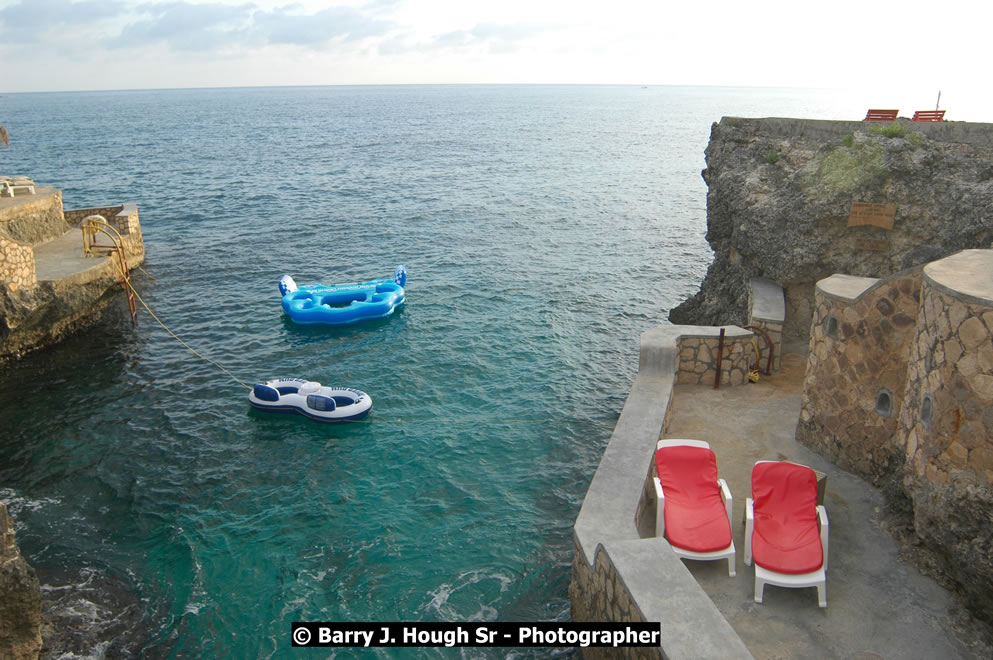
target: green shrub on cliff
<point>4,136</point>
<point>892,130</point>
<point>846,168</point>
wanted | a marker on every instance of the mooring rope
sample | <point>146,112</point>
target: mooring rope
<point>177,338</point>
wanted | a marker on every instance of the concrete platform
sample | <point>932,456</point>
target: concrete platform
<point>878,605</point>
<point>63,257</point>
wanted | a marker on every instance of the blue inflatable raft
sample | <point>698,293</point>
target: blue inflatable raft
<point>342,304</point>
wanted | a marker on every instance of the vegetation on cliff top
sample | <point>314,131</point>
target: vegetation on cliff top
<point>850,167</point>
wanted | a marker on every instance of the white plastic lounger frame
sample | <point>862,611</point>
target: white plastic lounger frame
<point>12,184</point>
<point>728,552</point>
<point>764,576</point>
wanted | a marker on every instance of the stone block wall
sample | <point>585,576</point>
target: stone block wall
<point>109,213</point>
<point>17,269</point>
<point>856,369</point>
<point>600,595</point>
<point>123,218</point>
<point>697,363</point>
<point>947,419</point>
<point>899,390</point>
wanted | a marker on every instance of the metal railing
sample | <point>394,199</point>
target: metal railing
<point>94,226</point>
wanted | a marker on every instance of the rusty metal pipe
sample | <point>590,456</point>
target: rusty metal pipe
<point>720,352</point>
<point>768,343</point>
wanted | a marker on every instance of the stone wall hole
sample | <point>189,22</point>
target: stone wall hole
<point>831,328</point>
<point>884,403</point>
<point>927,411</point>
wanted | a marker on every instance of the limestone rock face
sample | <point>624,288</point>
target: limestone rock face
<point>780,192</point>
<point>20,598</point>
<point>45,314</point>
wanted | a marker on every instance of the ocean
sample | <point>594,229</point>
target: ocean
<point>543,229</point>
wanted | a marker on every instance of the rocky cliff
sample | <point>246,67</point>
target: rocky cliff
<point>781,194</point>
<point>20,606</point>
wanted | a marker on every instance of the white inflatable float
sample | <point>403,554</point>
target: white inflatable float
<point>311,399</point>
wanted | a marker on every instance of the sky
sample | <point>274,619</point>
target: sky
<point>913,47</point>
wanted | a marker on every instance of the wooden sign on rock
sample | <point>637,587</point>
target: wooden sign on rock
<point>877,215</point>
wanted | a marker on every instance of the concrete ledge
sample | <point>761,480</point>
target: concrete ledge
<point>964,275</point>
<point>846,287</point>
<point>767,300</point>
<point>666,591</point>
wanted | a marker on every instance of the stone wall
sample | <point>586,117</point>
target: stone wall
<point>899,390</point>
<point>856,370</point>
<point>947,420</point>
<point>123,218</point>
<point>698,357</point>
<point>742,349</point>
<point>16,265</point>
<point>600,595</point>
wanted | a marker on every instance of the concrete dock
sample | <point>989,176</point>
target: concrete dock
<point>879,606</point>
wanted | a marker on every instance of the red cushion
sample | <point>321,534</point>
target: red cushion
<point>786,538</point>
<point>695,517</point>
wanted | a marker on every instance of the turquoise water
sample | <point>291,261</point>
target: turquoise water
<point>543,229</point>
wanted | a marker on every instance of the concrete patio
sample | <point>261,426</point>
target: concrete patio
<point>879,606</point>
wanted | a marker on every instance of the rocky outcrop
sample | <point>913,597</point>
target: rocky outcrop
<point>780,193</point>
<point>20,598</point>
<point>34,218</point>
<point>31,319</point>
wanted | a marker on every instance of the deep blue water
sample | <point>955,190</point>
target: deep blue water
<point>543,229</point>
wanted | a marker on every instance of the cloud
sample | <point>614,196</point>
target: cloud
<point>29,20</point>
<point>494,37</point>
<point>282,27</point>
<point>188,27</point>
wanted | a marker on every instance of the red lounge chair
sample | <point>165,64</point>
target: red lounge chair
<point>781,529</point>
<point>694,506</point>
<point>881,115</point>
<point>929,115</point>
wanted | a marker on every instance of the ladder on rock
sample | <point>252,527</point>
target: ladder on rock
<point>94,226</point>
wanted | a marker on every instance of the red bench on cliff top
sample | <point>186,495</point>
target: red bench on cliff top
<point>881,115</point>
<point>929,115</point>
